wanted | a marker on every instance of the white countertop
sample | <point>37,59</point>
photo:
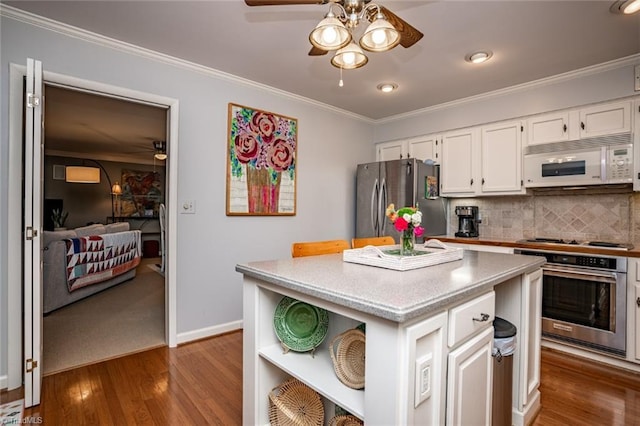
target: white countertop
<point>394,295</point>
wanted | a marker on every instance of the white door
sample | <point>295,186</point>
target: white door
<point>31,234</point>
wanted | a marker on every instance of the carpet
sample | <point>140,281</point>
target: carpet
<point>120,320</point>
<point>11,413</point>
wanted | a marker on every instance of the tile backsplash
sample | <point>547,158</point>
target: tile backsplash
<point>595,217</point>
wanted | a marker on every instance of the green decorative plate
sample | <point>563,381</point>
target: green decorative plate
<point>300,326</point>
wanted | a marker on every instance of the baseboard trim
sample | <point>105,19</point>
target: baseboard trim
<point>4,382</point>
<point>203,333</point>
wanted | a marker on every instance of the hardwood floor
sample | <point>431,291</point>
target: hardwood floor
<point>200,383</point>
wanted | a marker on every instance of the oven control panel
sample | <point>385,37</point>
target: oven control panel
<point>599,262</point>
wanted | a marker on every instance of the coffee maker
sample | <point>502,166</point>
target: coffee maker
<point>467,221</point>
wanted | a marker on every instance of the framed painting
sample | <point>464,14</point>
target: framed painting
<point>141,193</point>
<point>261,163</point>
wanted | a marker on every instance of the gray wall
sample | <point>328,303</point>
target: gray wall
<point>209,243</point>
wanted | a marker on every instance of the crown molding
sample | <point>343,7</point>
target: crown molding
<point>104,41</point>
<point>582,72</point>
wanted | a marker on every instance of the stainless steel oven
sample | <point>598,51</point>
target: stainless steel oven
<point>584,300</point>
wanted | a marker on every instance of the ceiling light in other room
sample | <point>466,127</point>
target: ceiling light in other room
<point>478,57</point>
<point>349,57</point>
<point>387,87</point>
<point>625,6</point>
<point>330,33</point>
<point>160,148</point>
<point>82,174</point>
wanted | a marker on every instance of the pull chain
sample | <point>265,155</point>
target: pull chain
<point>340,83</point>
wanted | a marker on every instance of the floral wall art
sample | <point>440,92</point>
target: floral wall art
<point>141,193</point>
<point>261,162</point>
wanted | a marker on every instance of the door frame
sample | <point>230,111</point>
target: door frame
<point>14,220</point>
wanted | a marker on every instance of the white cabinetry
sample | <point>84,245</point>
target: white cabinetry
<point>502,158</point>
<point>420,147</point>
<point>483,160</point>
<point>459,162</point>
<point>598,120</point>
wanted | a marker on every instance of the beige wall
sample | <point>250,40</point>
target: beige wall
<point>582,216</point>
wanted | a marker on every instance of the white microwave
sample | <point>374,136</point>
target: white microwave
<point>583,162</point>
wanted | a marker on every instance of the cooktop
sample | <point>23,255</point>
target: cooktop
<point>557,241</point>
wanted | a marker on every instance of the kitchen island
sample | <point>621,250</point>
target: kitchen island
<point>428,336</point>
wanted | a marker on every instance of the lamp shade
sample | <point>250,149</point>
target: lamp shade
<point>350,57</point>
<point>116,189</point>
<point>330,34</point>
<point>82,174</point>
<point>380,36</point>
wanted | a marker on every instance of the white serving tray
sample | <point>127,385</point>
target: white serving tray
<point>432,252</point>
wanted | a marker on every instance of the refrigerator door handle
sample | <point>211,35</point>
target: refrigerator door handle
<point>382,207</point>
<point>374,210</point>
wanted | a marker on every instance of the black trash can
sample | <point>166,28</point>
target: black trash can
<point>504,345</point>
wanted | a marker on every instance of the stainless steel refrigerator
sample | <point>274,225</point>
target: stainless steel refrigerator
<point>404,183</point>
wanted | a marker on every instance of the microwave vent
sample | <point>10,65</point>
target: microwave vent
<point>588,143</point>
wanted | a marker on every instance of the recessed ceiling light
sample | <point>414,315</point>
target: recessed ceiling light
<point>625,6</point>
<point>478,57</point>
<point>387,87</point>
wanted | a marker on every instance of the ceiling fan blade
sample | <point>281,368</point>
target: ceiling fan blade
<point>281,2</point>
<point>408,34</point>
<point>317,52</point>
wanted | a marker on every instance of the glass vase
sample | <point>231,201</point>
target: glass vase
<point>407,241</point>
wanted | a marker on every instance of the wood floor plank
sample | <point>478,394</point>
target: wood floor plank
<point>201,383</point>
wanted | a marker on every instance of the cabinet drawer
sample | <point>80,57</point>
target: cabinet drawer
<point>466,319</point>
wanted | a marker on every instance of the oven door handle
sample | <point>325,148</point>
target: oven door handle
<point>610,277</point>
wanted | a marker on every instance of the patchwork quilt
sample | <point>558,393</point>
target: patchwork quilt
<point>97,258</point>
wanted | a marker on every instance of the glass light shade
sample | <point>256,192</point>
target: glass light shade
<point>380,36</point>
<point>82,174</point>
<point>349,57</point>
<point>116,189</point>
<point>330,34</point>
<point>631,6</point>
<point>160,156</point>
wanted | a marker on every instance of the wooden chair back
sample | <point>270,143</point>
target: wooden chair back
<point>313,248</point>
<point>372,241</point>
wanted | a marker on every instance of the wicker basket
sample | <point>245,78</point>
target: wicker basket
<point>347,353</point>
<point>345,420</point>
<point>293,403</point>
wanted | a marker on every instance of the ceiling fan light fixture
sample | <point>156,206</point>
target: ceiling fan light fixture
<point>330,34</point>
<point>478,57</point>
<point>380,36</point>
<point>161,150</point>
<point>349,57</point>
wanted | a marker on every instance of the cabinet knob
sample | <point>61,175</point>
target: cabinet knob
<point>471,181</point>
<point>582,125</point>
<point>564,128</point>
<point>483,181</point>
<point>638,301</point>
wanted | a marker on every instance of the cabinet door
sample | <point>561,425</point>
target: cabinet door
<point>470,382</point>
<point>605,119</point>
<point>547,128</point>
<point>393,150</point>
<point>502,158</point>
<point>423,148</point>
<point>458,169</point>
<point>530,336</point>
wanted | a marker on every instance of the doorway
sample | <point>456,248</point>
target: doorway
<point>121,137</point>
<point>17,231</point>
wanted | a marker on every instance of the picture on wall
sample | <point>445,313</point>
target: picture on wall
<point>141,193</point>
<point>261,163</point>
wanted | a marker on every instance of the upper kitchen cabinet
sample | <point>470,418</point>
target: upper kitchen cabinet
<point>458,172</point>
<point>501,158</point>
<point>420,147</point>
<point>597,120</point>
<point>483,160</point>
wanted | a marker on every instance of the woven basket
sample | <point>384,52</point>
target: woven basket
<point>293,403</point>
<point>347,353</point>
<point>345,420</point>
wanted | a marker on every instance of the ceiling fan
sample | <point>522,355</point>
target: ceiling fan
<point>335,32</point>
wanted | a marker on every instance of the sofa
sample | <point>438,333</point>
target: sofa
<point>83,261</point>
